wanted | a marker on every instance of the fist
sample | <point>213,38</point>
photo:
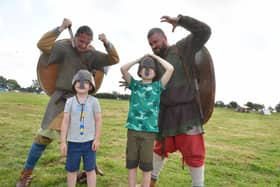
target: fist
<point>102,37</point>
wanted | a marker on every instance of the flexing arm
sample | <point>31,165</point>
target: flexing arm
<point>113,57</point>
<point>200,32</point>
<point>168,69</point>
<point>125,68</point>
<point>46,42</point>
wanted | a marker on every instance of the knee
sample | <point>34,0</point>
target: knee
<point>43,140</point>
<point>194,161</point>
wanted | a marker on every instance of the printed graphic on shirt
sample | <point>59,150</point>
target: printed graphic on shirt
<point>144,106</point>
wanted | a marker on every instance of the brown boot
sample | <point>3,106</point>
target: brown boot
<point>82,176</point>
<point>25,178</point>
<point>153,183</point>
<point>98,171</point>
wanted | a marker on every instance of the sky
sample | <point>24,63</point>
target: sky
<point>244,43</point>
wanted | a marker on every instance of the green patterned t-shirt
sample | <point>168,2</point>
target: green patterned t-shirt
<point>144,106</point>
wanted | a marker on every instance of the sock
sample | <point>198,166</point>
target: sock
<point>197,174</point>
<point>158,163</point>
<point>35,153</point>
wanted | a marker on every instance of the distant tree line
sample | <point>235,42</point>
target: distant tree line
<point>11,84</point>
<point>251,105</point>
<point>113,95</point>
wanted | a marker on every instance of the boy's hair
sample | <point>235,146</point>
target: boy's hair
<point>84,30</point>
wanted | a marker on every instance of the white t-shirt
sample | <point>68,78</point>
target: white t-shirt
<point>90,107</point>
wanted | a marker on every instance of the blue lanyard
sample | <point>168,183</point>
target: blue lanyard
<point>82,117</point>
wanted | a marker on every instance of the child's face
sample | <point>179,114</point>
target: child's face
<point>85,89</point>
<point>147,73</point>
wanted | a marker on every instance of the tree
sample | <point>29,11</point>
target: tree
<point>250,104</point>
<point>277,108</point>
<point>219,104</point>
<point>12,84</point>
<point>3,82</point>
<point>233,104</point>
<point>255,106</point>
<point>35,87</point>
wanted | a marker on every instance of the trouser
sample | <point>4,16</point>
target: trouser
<point>192,150</point>
<point>41,141</point>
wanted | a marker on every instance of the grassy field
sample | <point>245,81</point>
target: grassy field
<point>243,149</point>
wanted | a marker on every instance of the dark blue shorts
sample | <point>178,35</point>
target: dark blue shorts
<point>75,152</point>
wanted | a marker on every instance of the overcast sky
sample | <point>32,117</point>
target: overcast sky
<point>244,43</point>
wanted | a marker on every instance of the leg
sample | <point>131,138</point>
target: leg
<point>193,151</point>
<point>146,179</point>
<point>197,174</point>
<point>132,156</point>
<point>73,159</point>
<point>89,161</point>
<point>91,178</point>
<point>132,174</point>
<point>71,179</point>
<point>146,157</point>
<point>159,156</point>
<point>37,148</point>
<point>158,163</point>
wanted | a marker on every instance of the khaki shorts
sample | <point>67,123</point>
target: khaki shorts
<point>139,150</point>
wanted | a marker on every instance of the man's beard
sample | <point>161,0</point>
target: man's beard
<point>161,51</point>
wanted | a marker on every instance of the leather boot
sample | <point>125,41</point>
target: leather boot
<point>153,183</point>
<point>82,176</point>
<point>25,178</point>
<point>98,171</point>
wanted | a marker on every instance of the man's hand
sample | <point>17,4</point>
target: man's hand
<point>172,20</point>
<point>102,37</point>
<point>65,24</point>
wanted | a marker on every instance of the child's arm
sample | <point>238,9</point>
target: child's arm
<point>98,126</point>
<point>168,69</point>
<point>126,67</point>
<point>63,133</point>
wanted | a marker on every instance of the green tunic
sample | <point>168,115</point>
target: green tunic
<point>179,111</point>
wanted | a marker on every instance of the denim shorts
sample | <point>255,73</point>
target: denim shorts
<point>75,152</point>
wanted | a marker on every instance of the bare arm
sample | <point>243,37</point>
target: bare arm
<point>168,69</point>
<point>63,133</point>
<point>126,67</point>
<point>98,127</point>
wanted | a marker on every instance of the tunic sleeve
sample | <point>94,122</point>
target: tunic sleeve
<point>46,42</point>
<point>200,33</point>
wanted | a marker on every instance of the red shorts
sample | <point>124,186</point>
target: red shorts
<point>191,147</point>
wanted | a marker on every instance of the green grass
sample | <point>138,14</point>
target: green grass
<point>243,149</point>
